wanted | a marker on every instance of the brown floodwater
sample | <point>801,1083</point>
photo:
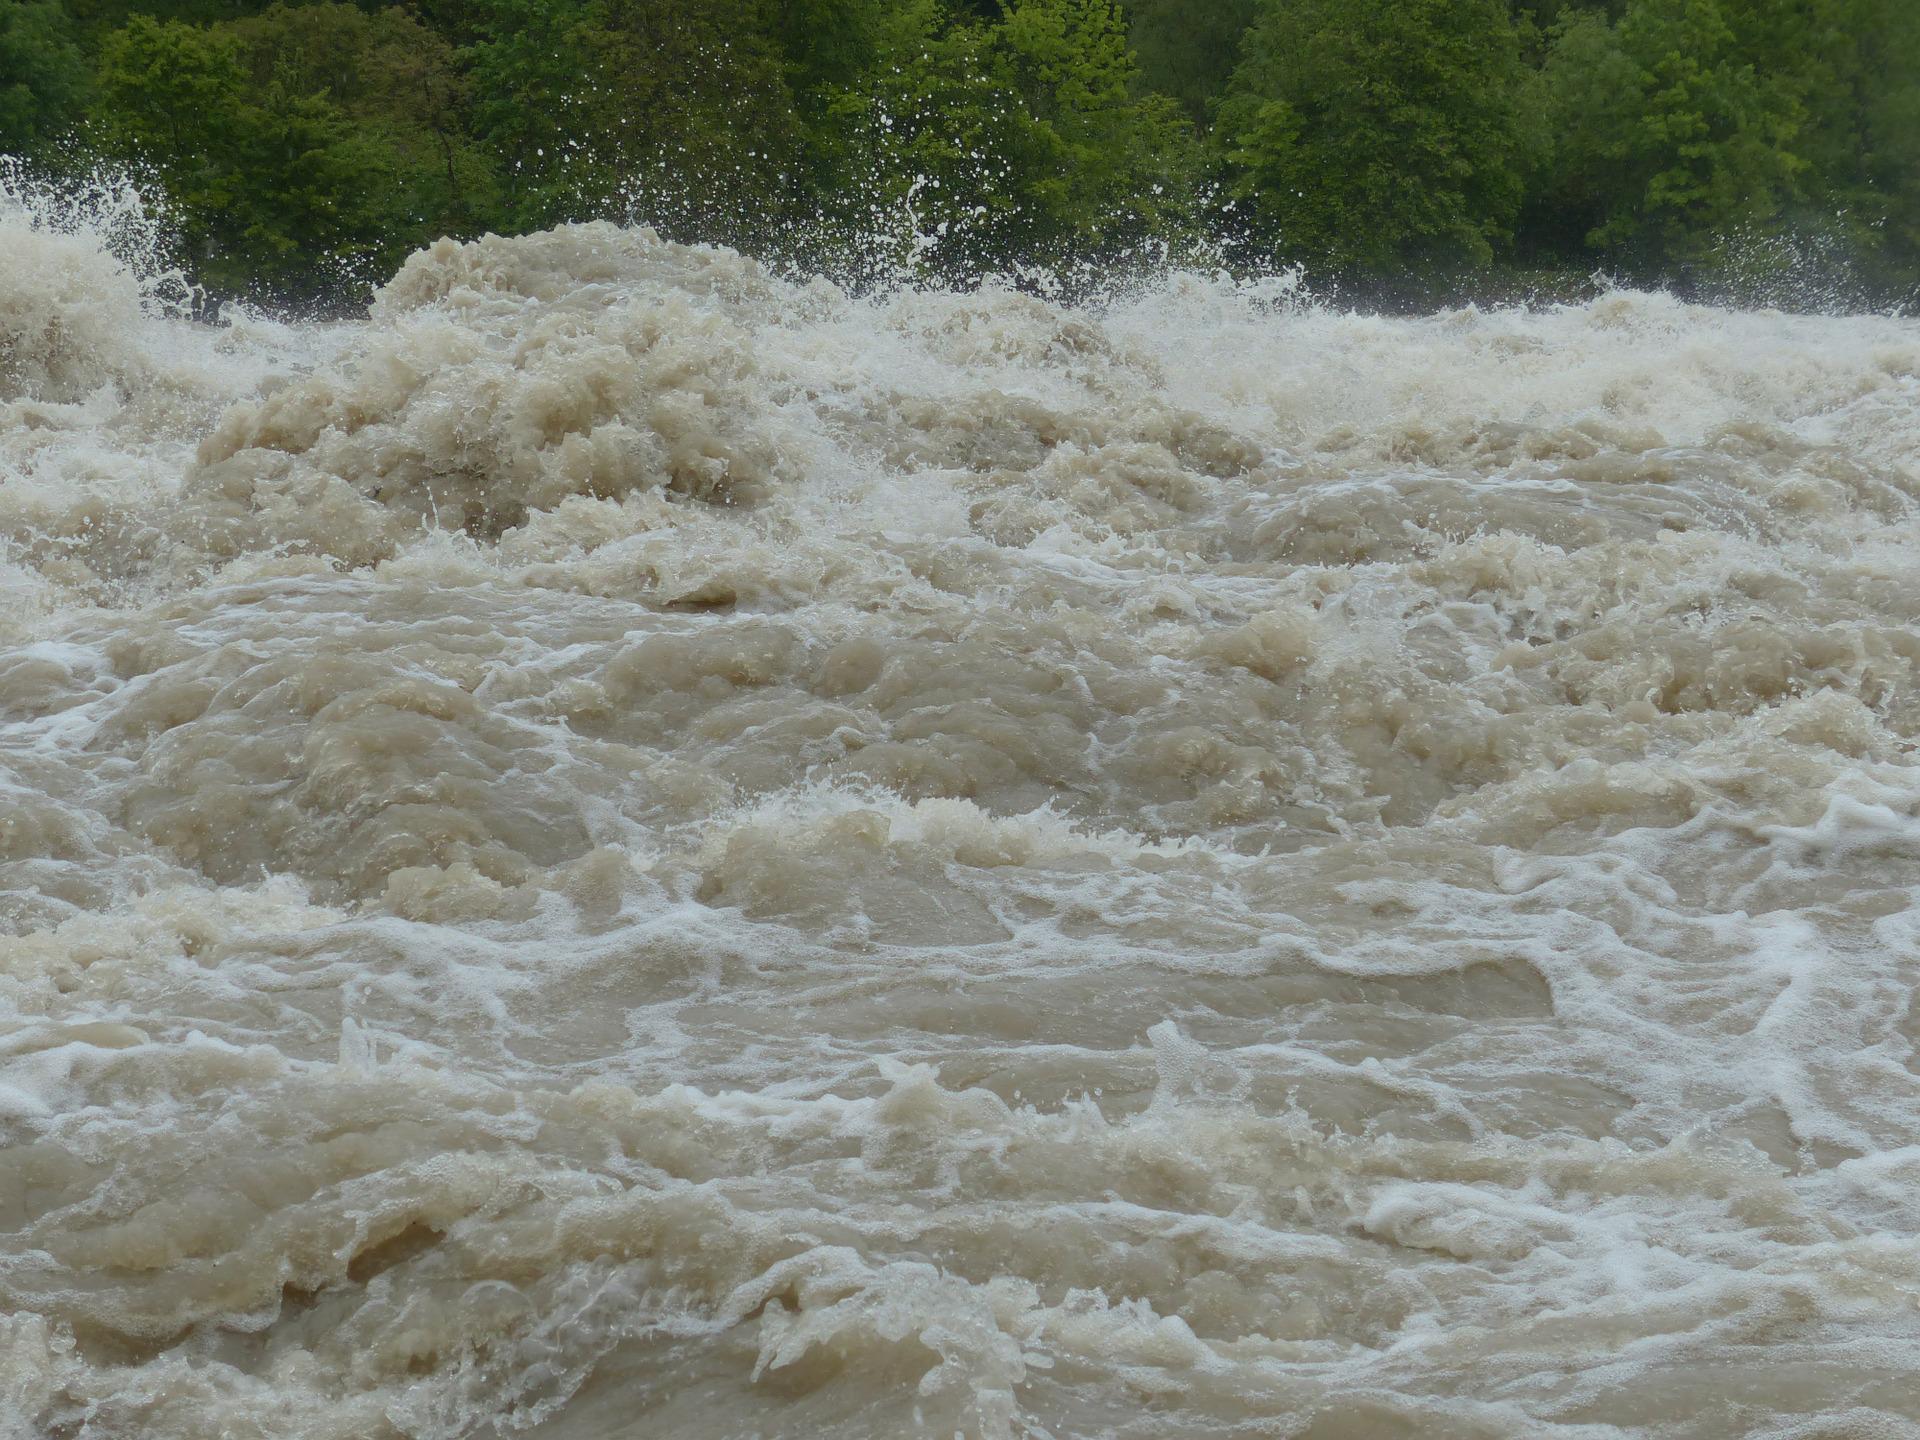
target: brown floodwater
<point>632,847</point>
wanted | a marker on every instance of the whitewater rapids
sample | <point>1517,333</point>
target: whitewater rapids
<point>631,847</point>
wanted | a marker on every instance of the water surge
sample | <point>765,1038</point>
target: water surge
<point>628,845</point>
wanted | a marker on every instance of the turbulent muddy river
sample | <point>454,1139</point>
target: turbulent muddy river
<point>630,847</point>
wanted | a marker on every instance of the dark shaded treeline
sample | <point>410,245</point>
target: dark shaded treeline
<point>1412,147</point>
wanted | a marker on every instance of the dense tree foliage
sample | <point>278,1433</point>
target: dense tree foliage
<point>1188,48</point>
<point>1670,134</point>
<point>43,75</point>
<point>304,143</point>
<point>1020,136</point>
<point>584,104</point>
<point>1371,135</point>
<point>269,174</point>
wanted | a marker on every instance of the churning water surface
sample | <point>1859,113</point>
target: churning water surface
<point>632,847</point>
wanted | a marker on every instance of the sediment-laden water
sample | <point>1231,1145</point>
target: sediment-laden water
<point>630,847</point>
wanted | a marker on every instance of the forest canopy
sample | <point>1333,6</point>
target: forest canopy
<point>1411,147</point>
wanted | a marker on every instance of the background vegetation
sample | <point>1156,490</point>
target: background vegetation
<point>1408,148</point>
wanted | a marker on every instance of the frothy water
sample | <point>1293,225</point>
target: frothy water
<point>631,846</point>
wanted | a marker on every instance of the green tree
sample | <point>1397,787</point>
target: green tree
<point>1887,180</point>
<point>591,103</point>
<point>1118,158</point>
<point>43,78</point>
<point>398,85</point>
<point>1187,48</point>
<point>1021,139</point>
<point>538,108</point>
<point>274,186</point>
<point>98,18</point>
<point>1668,135</point>
<point>1404,141</point>
<point>1379,136</point>
<point>829,44</point>
<point>1855,69</point>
